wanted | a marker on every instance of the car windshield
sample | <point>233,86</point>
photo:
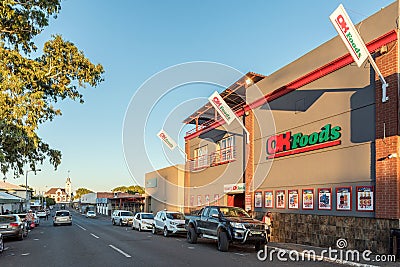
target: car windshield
<point>126,213</point>
<point>234,212</point>
<point>147,216</point>
<point>62,213</point>
<point>7,219</point>
<point>175,216</point>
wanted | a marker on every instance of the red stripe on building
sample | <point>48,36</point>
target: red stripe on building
<point>303,80</point>
<point>305,149</point>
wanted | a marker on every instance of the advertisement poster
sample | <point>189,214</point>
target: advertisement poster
<point>280,199</point>
<point>308,199</point>
<point>324,199</point>
<point>268,198</point>
<point>247,202</point>
<point>365,198</point>
<point>207,199</point>
<point>216,199</point>
<point>192,200</point>
<point>343,198</point>
<point>258,199</point>
<point>199,200</point>
<point>293,199</point>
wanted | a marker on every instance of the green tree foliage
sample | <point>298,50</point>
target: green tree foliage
<point>129,189</point>
<point>29,87</point>
<point>81,191</point>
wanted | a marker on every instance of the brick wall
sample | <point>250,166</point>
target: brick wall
<point>387,139</point>
<point>249,123</point>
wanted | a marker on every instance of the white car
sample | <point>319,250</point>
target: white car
<point>62,217</point>
<point>41,213</point>
<point>143,221</point>
<point>90,214</point>
<point>169,222</point>
<point>122,217</point>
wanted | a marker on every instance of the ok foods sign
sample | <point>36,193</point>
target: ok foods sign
<point>223,109</point>
<point>167,139</point>
<point>234,188</point>
<point>343,25</point>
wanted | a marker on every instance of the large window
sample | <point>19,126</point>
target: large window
<point>225,151</point>
<point>201,157</point>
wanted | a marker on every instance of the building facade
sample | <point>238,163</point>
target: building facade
<point>324,151</point>
<point>165,189</point>
<point>61,195</point>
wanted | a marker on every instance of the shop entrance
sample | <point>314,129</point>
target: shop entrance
<point>236,200</point>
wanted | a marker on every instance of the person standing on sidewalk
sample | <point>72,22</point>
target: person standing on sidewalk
<point>267,219</point>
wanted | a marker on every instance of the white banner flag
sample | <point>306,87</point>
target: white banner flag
<point>350,36</point>
<point>223,109</point>
<point>167,139</point>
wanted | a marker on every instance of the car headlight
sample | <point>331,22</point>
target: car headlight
<point>237,225</point>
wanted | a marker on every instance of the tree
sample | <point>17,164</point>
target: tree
<point>29,87</point>
<point>129,189</point>
<point>80,192</point>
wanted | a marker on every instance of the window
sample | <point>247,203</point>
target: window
<point>201,157</point>
<point>225,151</point>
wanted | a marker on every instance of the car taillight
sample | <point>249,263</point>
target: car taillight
<point>14,224</point>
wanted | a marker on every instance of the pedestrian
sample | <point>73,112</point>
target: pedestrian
<point>268,220</point>
<point>29,219</point>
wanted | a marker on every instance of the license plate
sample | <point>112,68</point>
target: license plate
<point>3,226</point>
<point>255,232</point>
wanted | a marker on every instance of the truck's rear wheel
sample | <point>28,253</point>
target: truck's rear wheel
<point>191,235</point>
<point>223,242</point>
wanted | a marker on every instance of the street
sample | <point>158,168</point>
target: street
<point>95,242</point>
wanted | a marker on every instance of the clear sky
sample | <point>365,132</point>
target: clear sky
<point>134,40</point>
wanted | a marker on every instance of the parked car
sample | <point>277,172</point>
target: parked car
<point>226,225</point>
<point>169,222</point>
<point>90,214</point>
<point>62,217</point>
<point>143,221</point>
<point>41,213</point>
<point>1,243</point>
<point>122,217</point>
<point>12,226</point>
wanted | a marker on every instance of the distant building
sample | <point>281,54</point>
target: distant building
<point>12,197</point>
<point>61,195</point>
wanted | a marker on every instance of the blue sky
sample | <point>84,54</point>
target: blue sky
<point>134,40</point>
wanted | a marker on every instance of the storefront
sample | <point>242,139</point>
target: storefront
<point>324,151</point>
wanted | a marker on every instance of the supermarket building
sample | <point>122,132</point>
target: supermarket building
<point>324,151</point>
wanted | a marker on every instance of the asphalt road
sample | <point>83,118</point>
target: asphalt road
<point>95,242</point>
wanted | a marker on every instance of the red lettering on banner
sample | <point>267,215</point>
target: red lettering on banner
<point>342,23</point>
<point>216,101</point>
<point>162,135</point>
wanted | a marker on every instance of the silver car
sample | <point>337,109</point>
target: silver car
<point>62,217</point>
<point>12,225</point>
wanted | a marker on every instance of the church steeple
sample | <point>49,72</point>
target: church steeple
<point>68,188</point>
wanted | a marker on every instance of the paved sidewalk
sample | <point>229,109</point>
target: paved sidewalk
<point>322,254</point>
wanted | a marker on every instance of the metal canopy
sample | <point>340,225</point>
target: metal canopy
<point>234,96</point>
<point>7,198</point>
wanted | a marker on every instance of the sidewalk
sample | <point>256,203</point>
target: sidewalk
<point>322,254</point>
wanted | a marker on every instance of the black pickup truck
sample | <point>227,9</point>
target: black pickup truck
<point>226,225</point>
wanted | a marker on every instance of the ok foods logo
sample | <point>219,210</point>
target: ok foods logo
<point>345,30</point>
<point>166,140</point>
<point>288,144</point>
<point>219,105</point>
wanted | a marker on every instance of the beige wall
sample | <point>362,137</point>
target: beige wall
<point>169,190</point>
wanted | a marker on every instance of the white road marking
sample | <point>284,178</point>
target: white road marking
<point>36,239</point>
<point>25,254</point>
<point>80,227</point>
<point>190,247</point>
<point>240,254</point>
<point>120,251</point>
<point>94,235</point>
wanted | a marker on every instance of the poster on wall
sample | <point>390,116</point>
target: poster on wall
<point>293,199</point>
<point>280,199</point>
<point>324,198</point>
<point>365,198</point>
<point>191,200</point>
<point>308,199</point>
<point>268,198</point>
<point>199,200</point>
<point>207,199</point>
<point>343,198</point>
<point>258,199</point>
<point>216,199</point>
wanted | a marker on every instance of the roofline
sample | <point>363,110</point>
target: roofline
<point>316,74</point>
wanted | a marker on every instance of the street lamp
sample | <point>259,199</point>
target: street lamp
<point>28,204</point>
